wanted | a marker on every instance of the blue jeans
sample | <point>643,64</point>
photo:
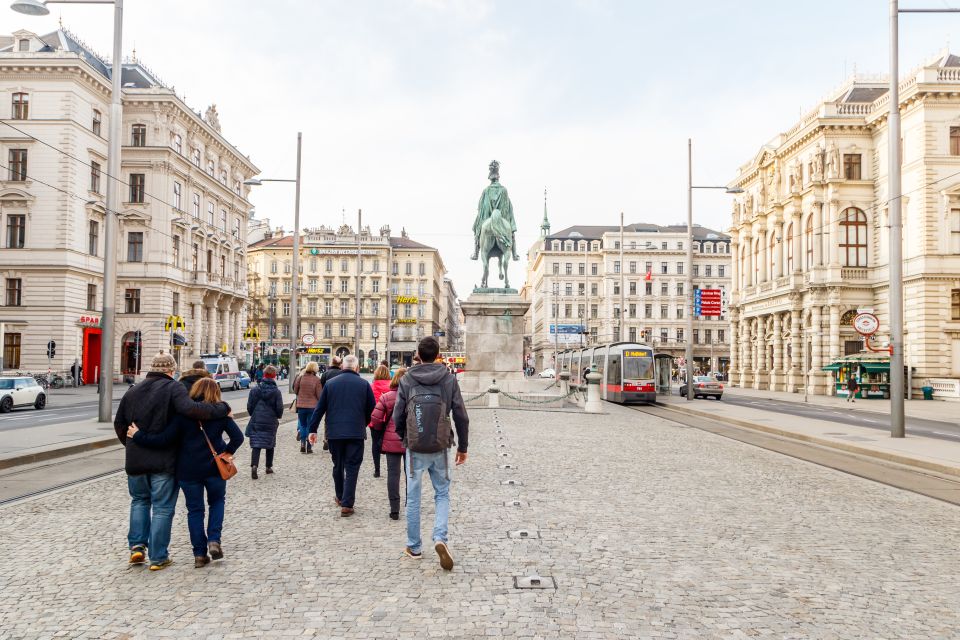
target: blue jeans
<point>153,499</point>
<point>436,465</point>
<point>216,489</point>
<point>303,426</point>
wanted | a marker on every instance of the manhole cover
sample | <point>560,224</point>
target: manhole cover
<point>534,582</point>
<point>512,483</point>
<point>523,534</point>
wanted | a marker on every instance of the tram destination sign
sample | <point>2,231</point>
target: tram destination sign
<point>708,302</point>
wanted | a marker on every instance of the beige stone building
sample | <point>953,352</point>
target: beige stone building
<point>579,280</point>
<point>183,208</point>
<point>403,294</point>
<point>811,240</point>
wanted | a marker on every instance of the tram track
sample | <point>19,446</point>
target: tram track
<point>921,481</point>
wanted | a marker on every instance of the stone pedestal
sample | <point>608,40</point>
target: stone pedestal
<point>494,325</point>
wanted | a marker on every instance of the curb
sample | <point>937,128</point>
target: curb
<point>58,451</point>
<point>830,444</point>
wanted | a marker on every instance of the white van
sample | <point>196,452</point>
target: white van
<point>224,369</point>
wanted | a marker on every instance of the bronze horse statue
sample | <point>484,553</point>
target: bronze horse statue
<point>495,244</point>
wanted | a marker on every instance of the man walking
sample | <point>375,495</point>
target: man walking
<point>150,471</point>
<point>347,402</point>
<point>427,395</point>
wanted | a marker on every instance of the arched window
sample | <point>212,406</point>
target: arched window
<point>809,240</point>
<point>770,257</point>
<point>790,248</point>
<point>853,237</point>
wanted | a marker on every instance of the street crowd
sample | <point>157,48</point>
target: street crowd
<point>180,436</point>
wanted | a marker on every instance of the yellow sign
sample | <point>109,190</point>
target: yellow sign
<point>406,320</point>
<point>407,300</point>
<point>174,323</point>
<point>636,354</point>
<point>251,333</point>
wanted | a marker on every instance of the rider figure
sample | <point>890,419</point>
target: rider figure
<point>494,197</point>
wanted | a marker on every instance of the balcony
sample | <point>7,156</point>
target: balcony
<point>854,273</point>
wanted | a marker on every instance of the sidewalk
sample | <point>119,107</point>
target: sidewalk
<point>43,442</point>
<point>941,456</point>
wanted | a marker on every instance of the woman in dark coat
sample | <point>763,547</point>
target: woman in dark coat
<point>265,406</point>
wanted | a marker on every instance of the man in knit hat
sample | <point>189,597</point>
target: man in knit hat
<point>150,405</point>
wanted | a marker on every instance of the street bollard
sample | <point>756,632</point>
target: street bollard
<point>564,383</point>
<point>493,395</point>
<point>593,404</point>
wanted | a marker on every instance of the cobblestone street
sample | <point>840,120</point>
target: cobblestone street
<point>648,529</point>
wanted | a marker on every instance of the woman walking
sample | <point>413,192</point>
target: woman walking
<point>381,385</point>
<point>392,444</point>
<point>307,387</point>
<point>197,473</point>
<point>265,406</point>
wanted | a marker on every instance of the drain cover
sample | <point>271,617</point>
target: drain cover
<point>523,534</point>
<point>514,503</point>
<point>512,483</point>
<point>534,582</point>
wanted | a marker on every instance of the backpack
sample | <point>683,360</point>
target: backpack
<point>428,420</point>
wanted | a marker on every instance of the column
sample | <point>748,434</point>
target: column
<point>794,377</point>
<point>735,270</point>
<point>816,358</point>
<point>778,250</point>
<point>762,256</point>
<point>833,240</point>
<point>834,344</point>
<point>776,376</point>
<point>735,337</point>
<point>743,343</point>
<point>748,244</point>
<point>196,346</point>
<point>235,337</point>
<point>798,258</point>
<point>817,234</point>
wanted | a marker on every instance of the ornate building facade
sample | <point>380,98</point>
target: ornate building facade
<point>181,246</point>
<point>810,235</point>
<point>403,295</point>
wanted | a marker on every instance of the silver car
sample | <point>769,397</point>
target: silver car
<point>20,391</point>
<point>705,386</point>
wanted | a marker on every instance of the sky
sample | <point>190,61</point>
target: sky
<point>404,103</point>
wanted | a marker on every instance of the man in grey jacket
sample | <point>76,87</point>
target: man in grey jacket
<point>435,378</point>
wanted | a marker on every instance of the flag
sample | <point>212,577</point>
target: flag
<point>649,275</point>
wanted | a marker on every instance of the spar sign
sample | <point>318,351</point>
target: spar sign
<point>708,302</point>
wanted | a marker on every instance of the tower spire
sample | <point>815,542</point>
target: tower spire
<point>545,225</point>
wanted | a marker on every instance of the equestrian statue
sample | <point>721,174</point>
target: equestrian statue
<point>494,229</point>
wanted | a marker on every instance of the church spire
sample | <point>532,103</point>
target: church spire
<point>545,225</point>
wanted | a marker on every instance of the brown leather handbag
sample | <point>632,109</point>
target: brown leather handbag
<point>226,467</point>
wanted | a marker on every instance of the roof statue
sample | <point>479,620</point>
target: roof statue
<point>212,117</point>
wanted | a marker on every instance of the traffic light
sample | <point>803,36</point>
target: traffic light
<point>51,349</point>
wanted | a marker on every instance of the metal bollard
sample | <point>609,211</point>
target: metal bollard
<point>593,404</point>
<point>493,397</point>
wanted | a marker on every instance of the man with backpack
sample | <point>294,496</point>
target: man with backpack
<point>427,395</point>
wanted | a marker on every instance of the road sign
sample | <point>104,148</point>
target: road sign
<point>708,302</point>
<point>308,339</point>
<point>866,324</point>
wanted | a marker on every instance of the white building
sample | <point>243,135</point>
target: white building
<point>811,235</point>
<point>182,214</point>
<point>581,281</point>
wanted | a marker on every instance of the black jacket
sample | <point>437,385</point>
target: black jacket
<point>190,376</point>
<point>194,460</point>
<point>265,406</point>
<point>348,404</point>
<point>152,404</point>
<point>329,375</point>
<point>433,375</point>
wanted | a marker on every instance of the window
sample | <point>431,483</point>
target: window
<point>236,234</point>
<point>14,289</point>
<point>313,285</point>
<point>663,311</point>
<point>196,256</point>
<point>223,219</point>
<point>93,237</point>
<point>616,288</point>
<point>420,309</point>
<point>663,246</point>
<point>809,239</point>
<point>343,265</point>
<point>11,350</point>
<point>236,187</point>
<point>375,308</point>
<point>16,231</point>
<point>408,269</point>
<point>21,106</point>
<point>679,335</point>
<point>131,301</point>
<point>223,265</point>
<point>286,308</point>
<point>648,311</point>
<point>92,297</point>
<point>633,288</point>
<point>568,268</point>
<point>616,266</point>
<point>955,304</point>
<point>223,177</point>
<point>376,285</point>
<point>135,246</point>
<point>594,310</point>
<point>176,251</point>
<point>395,270</point>
<point>721,270</point>
<point>663,267</point>
<point>178,143</point>
<point>955,141</point>
<point>648,289</point>
<point>236,271</point>
<point>176,303</point>
<point>616,310</point>
<point>679,267</point>
<point>633,267</point>
<point>664,289</point>
<point>137,184</point>
<point>286,286</point>
<point>423,269</point>
<point>593,288</point>
<point>328,308</point>
<point>593,269</point>
<point>648,267</point>
<point>343,308</point>
<point>211,213</point>
<point>210,168</point>
<point>95,177</point>
<point>376,265</point>
<point>582,269</point>
<point>708,269</point>
<point>720,337</point>
<point>195,158</point>
<point>789,249</point>
<point>679,246</point>
<point>696,336</point>
<point>177,196</point>
<point>209,260</point>
<point>139,137</point>
<point>328,286</point>
<point>616,244</point>
<point>97,123</point>
<point>851,166</point>
<point>343,330</point>
<point>344,285</point>
<point>633,311</point>
<point>853,233</point>
<point>679,313</point>
<point>23,45</point>
<point>679,288</point>
<point>707,336</point>
<point>17,164</point>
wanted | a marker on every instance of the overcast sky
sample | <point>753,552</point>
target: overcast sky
<point>403,103</point>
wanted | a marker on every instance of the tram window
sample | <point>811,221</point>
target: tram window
<point>613,372</point>
<point>638,368</point>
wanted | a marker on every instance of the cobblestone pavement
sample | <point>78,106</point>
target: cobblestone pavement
<point>649,530</point>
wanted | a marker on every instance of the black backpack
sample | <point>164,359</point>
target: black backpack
<point>428,420</point>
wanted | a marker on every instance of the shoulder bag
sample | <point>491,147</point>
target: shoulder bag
<point>225,466</point>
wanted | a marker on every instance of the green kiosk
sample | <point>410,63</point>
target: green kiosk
<point>871,369</point>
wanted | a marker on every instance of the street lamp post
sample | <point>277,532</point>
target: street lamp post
<point>691,299</point>
<point>897,429</point>
<point>376,356</point>
<point>295,276</point>
<point>38,8</point>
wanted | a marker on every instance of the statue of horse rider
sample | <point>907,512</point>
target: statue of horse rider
<point>495,197</point>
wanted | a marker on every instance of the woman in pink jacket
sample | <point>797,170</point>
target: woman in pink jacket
<point>392,446</point>
<point>381,385</point>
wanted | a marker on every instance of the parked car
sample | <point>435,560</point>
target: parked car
<point>244,380</point>
<point>20,391</point>
<point>548,373</point>
<point>704,386</point>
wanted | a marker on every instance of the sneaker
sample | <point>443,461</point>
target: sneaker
<point>253,472</point>
<point>199,562</point>
<point>216,552</point>
<point>446,560</point>
<point>160,565</point>
<point>410,553</point>
<point>138,554</point>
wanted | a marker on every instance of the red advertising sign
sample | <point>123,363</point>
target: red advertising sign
<point>711,302</point>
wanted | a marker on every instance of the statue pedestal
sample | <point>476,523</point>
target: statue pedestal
<point>494,340</point>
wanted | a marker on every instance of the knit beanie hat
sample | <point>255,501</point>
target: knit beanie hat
<point>163,362</point>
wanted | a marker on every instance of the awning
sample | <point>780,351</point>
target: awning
<point>875,367</point>
<point>835,366</point>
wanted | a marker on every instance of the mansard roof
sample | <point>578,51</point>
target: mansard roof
<point>595,232</point>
